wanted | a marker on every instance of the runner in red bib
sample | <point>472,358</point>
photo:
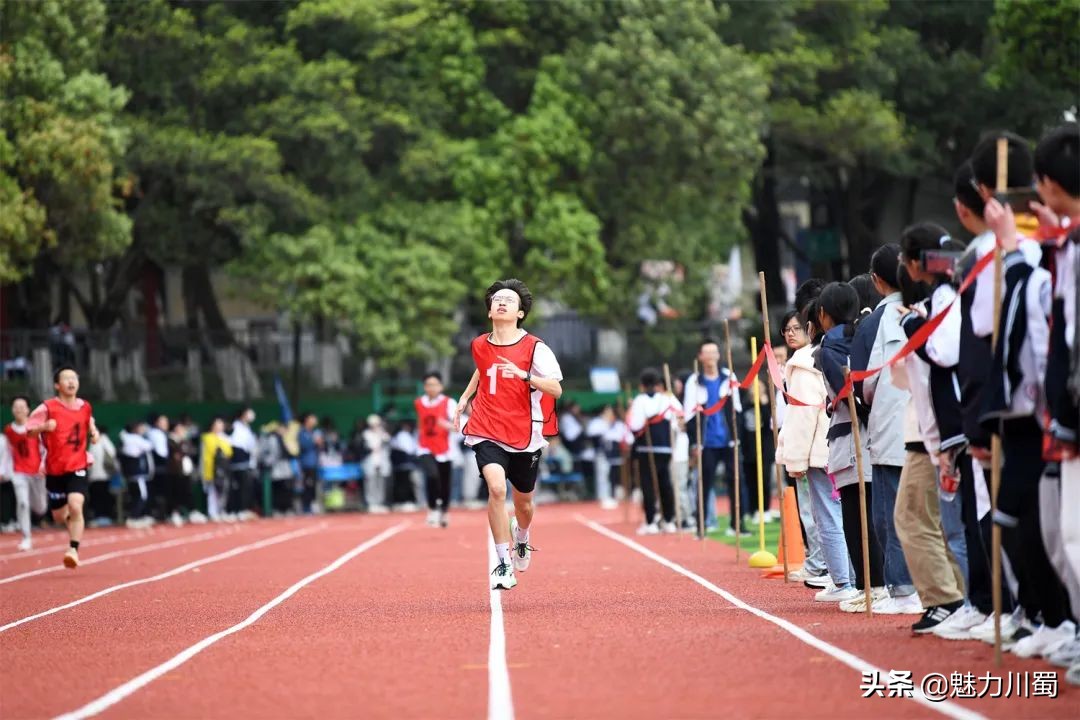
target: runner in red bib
<point>516,383</point>
<point>66,423</point>
<point>26,480</point>
<point>434,417</point>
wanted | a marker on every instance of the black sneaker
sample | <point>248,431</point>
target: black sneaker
<point>932,617</point>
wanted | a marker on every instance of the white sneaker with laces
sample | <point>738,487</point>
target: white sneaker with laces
<point>649,529</point>
<point>906,605</point>
<point>1067,654</point>
<point>504,577</point>
<point>1044,640</point>
<point>520,552</point>
<point>669,528</point>
<point>26,544</point>
<point>433,518</point>
<point>836,594</point>
<point>958,626</point>
<point>858,604</point>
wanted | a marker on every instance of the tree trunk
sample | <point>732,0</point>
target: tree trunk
<point>328,361</point>
<point>194,374</point>
<point>101,367</point>
<point>763,223</point>
<point>41,376</point>
<point>239,381</point>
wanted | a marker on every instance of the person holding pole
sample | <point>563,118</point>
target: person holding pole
<point>650,417</point>
<point>803,450</point>
<point>1015,403</point>
<point>838,308</point>
<point>702,398</point>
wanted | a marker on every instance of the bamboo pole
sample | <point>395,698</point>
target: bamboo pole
<point>735,437</point>
<point>778,471</point>
<point>863,529</point>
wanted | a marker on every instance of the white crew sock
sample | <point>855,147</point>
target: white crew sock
<point>503,551</point>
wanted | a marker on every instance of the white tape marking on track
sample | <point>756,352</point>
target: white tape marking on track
<point>274,540</point>
<point>136,683</point>
<point>947,708</point>
<point>500,698</point>
<point>122,553</point>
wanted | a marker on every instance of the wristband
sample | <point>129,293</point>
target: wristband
<point>527,378</point>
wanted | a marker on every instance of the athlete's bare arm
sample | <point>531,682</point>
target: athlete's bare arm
<point>548,386</point>
<point>39,421</point>
<point>465,396</point>
<point>94,434</point>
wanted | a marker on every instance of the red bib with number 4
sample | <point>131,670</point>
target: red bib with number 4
<point>65,446</point>
<point>502,408</point>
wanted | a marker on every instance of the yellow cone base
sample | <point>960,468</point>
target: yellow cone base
<point>762,559</point>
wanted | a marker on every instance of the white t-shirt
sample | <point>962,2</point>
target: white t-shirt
<point>544,365</point>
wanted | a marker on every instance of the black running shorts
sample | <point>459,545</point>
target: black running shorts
<point>60,486</point>
<point>521,467</point>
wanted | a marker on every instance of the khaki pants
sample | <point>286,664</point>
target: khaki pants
<point>917,516</point>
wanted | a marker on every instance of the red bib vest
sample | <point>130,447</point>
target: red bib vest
<point>432,436</point>
<point>502,405</point>
<point>25,451</point>
<point>66,445</point>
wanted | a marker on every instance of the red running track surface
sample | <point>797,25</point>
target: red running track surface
<point>595,629</point>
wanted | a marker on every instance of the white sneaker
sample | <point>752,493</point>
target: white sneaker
<point>906,605</point>
<point>1066,655</point>
<point>196,518</point>
<point>958,626</point>
<point>1009,625</point>
<point>609,504</point>
<point>433,518</point>
<point>504,577</point>
<point>378,510</point>
<point>247,515</point>
<point>858,604</point>
<point>835,594</point>
<point>649,529</point>
<point>520,552</point>
<point>669,528</point>
<point>26,544</point>
<point>1072,675</point>
<point>176,520</point>
<point>444,518</point>
<point>799,575</point>
<point>1044,640</point>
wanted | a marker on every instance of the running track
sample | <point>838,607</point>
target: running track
<point>382,617</point>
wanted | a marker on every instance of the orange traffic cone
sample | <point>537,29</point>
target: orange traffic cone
<point>792,539</point>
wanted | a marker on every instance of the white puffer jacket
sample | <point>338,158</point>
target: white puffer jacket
<point>802,438</point>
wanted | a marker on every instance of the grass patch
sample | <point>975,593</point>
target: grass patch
<point>750,544</point>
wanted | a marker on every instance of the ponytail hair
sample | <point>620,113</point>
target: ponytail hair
<point>841,303</point>
<point>921,237</point>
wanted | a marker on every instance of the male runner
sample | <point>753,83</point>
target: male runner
<point>26,477</point>
<point>516,383</point>
<point>66,421</point>
<point>434,416</point>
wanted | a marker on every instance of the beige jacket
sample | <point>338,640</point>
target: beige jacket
<point>802,442</point>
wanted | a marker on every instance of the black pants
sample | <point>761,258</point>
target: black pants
<point>711,457</point>
<point>102,502</point>
<point>402,490</point>
<point>979,579</point>
<point>281,493</point>
<point>648,490</point>
<point>138,506</point>
<point>1040,590</point>
<point>308,480</point>
<point>849,508</point>
<point>437,479</point>
<point>242,492</point>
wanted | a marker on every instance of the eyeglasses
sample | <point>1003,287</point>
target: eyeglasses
<point>792,330</point>
<point>508,299</point>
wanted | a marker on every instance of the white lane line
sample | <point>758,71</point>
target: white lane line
<point>137,683</point>
<point>274,540</point>
<point>500,699</point>
<point>947,708</point>
<point>123,553</point>
<point>88,538</point>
